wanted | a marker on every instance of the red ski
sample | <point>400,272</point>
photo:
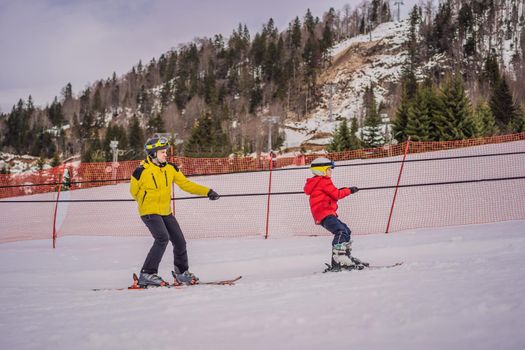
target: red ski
<point>136,286</point>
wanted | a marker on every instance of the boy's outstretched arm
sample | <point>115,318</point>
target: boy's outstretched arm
<point>336,193</point>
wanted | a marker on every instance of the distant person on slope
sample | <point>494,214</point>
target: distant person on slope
<point>323,204</point>
<point>151,187</point>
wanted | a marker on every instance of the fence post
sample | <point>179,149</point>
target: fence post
<point>56,205</point>
<point>270,159</point>
<point>397,186</point>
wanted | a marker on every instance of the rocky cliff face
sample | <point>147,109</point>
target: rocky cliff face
<point>376,58</point>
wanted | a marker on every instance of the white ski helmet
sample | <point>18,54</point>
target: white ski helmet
<point>320,165</point>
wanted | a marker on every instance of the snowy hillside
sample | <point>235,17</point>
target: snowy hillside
<point>356,63</point>
<point>459,288</point>
<point>17,164</point>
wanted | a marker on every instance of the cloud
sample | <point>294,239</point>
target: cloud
<point>46,44</point>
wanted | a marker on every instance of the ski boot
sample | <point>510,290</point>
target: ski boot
<point>151,280</point>
<point>342,258</point>
<point>185,277</point>
<point>358,262</point>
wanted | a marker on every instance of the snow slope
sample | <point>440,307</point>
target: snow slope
<point>460,287</point>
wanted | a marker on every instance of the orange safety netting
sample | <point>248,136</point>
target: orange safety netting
<point>94,187</point>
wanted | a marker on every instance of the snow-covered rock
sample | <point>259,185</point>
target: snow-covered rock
<point>376,58</point>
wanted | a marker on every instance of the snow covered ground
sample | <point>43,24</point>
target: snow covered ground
<point>460,287</point>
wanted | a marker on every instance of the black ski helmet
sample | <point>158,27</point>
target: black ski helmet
<point>154,144</point>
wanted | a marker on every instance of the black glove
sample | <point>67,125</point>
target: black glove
<point>212,195</point>
<point>354,189</point>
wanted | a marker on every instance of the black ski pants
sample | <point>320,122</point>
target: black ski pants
<point>164,229</point>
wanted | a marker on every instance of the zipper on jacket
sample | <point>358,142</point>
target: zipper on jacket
<point>155,181</point>
<point>166,177</point>
<point>144,197</point>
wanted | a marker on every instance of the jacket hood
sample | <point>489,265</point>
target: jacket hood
<point>311,184</point>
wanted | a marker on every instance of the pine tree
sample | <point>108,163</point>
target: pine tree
<point>485,120</point>
<point>210,93</point>
<point>165,94</point>
<point>340,133</point>
<point>18,130</point>
<point>272,61</point>
<point>30,107</point>
<point>40,163</point>
<point>309,21</point>
<point>326,43</point>
<point>41,144</point>
<point>312,59</point>
<point>362,25</point>
<point>55,161</point>
<point>155,124</point>
<point>386,14</point>
<point>335,143</point>
<point>354,129</point>
<point>207,139</point>
<point>85,100</point>
<point>443,28</point>
<point>517,123</point>
<point>436,112</point>
<point>344,139</point>
<point>418,123</point>
<point>372,133</point>
<point>67,92</point>
<point>295,34</point>
<point>502,104</point>
<point>97,100</point>
<point>92,149</point>
<point>258,49</point>
<point>55,114</point>
<point>136,138</point>
<point>457,120</point>
<point>373,15</point>
<point>408,78</point>
<point>478,126</point>
<point>465,19</point>
<point>400,122</point>
<point>491,74</point>
<point>143,100</point>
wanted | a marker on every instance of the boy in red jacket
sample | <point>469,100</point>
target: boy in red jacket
<point>323,204</point>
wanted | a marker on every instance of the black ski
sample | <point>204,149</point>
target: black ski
<point>330,268</point>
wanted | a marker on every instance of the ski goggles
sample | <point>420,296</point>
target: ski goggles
<point>330,164</point>
<point>161,143</point>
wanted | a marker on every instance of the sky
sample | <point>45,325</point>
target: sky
<point>46,44</point>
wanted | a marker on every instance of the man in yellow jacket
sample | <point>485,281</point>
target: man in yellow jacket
<point>151,187</point>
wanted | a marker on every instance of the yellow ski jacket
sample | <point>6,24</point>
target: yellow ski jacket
<point>151,187</point>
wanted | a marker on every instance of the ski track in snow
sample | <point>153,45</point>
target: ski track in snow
<point>459,287</point>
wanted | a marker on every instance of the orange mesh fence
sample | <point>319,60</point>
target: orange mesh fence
<point>443,183</point>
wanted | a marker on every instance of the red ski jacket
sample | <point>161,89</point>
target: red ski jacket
<point>323,197</point>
